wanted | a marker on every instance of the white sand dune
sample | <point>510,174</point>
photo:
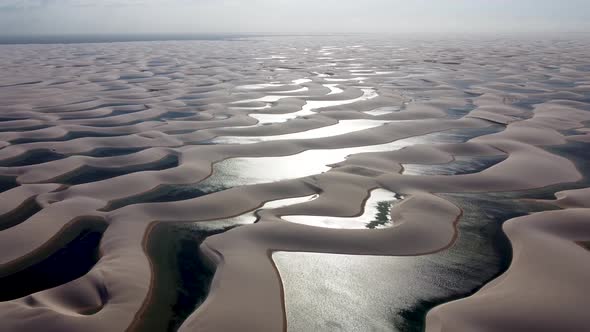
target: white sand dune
<point>298,142</point>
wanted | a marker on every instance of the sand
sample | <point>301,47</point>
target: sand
<point>69,108</point>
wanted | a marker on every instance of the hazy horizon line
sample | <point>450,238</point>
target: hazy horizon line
<point>79,38</point>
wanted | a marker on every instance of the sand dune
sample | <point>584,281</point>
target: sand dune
<point>99,143</point>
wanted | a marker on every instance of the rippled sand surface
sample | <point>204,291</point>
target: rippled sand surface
<point>295,183</point>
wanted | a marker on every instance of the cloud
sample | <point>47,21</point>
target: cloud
<point>19,4</point>
<point>30,4</point>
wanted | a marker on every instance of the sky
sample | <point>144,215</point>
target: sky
<point>58,17</point>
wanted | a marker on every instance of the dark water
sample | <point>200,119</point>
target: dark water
<point>459,112</point>
<point>110,123</point>
<point>3,119</point>
<point>165,193</point>
<point>7,183</point>
<point>66,262</point>
<point>466,134</point>
<point>182,277</point>
<point>111,152</point>
<point>40,156</point>
<point>24,128</point>
<point>51,109</point>
<point>101,116</point>
<point>92,174</point>
<point>67,137</point>
<point>174,115</point>
<point>33,157</point>
<point>585,244</point>
<point>457,167</point>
